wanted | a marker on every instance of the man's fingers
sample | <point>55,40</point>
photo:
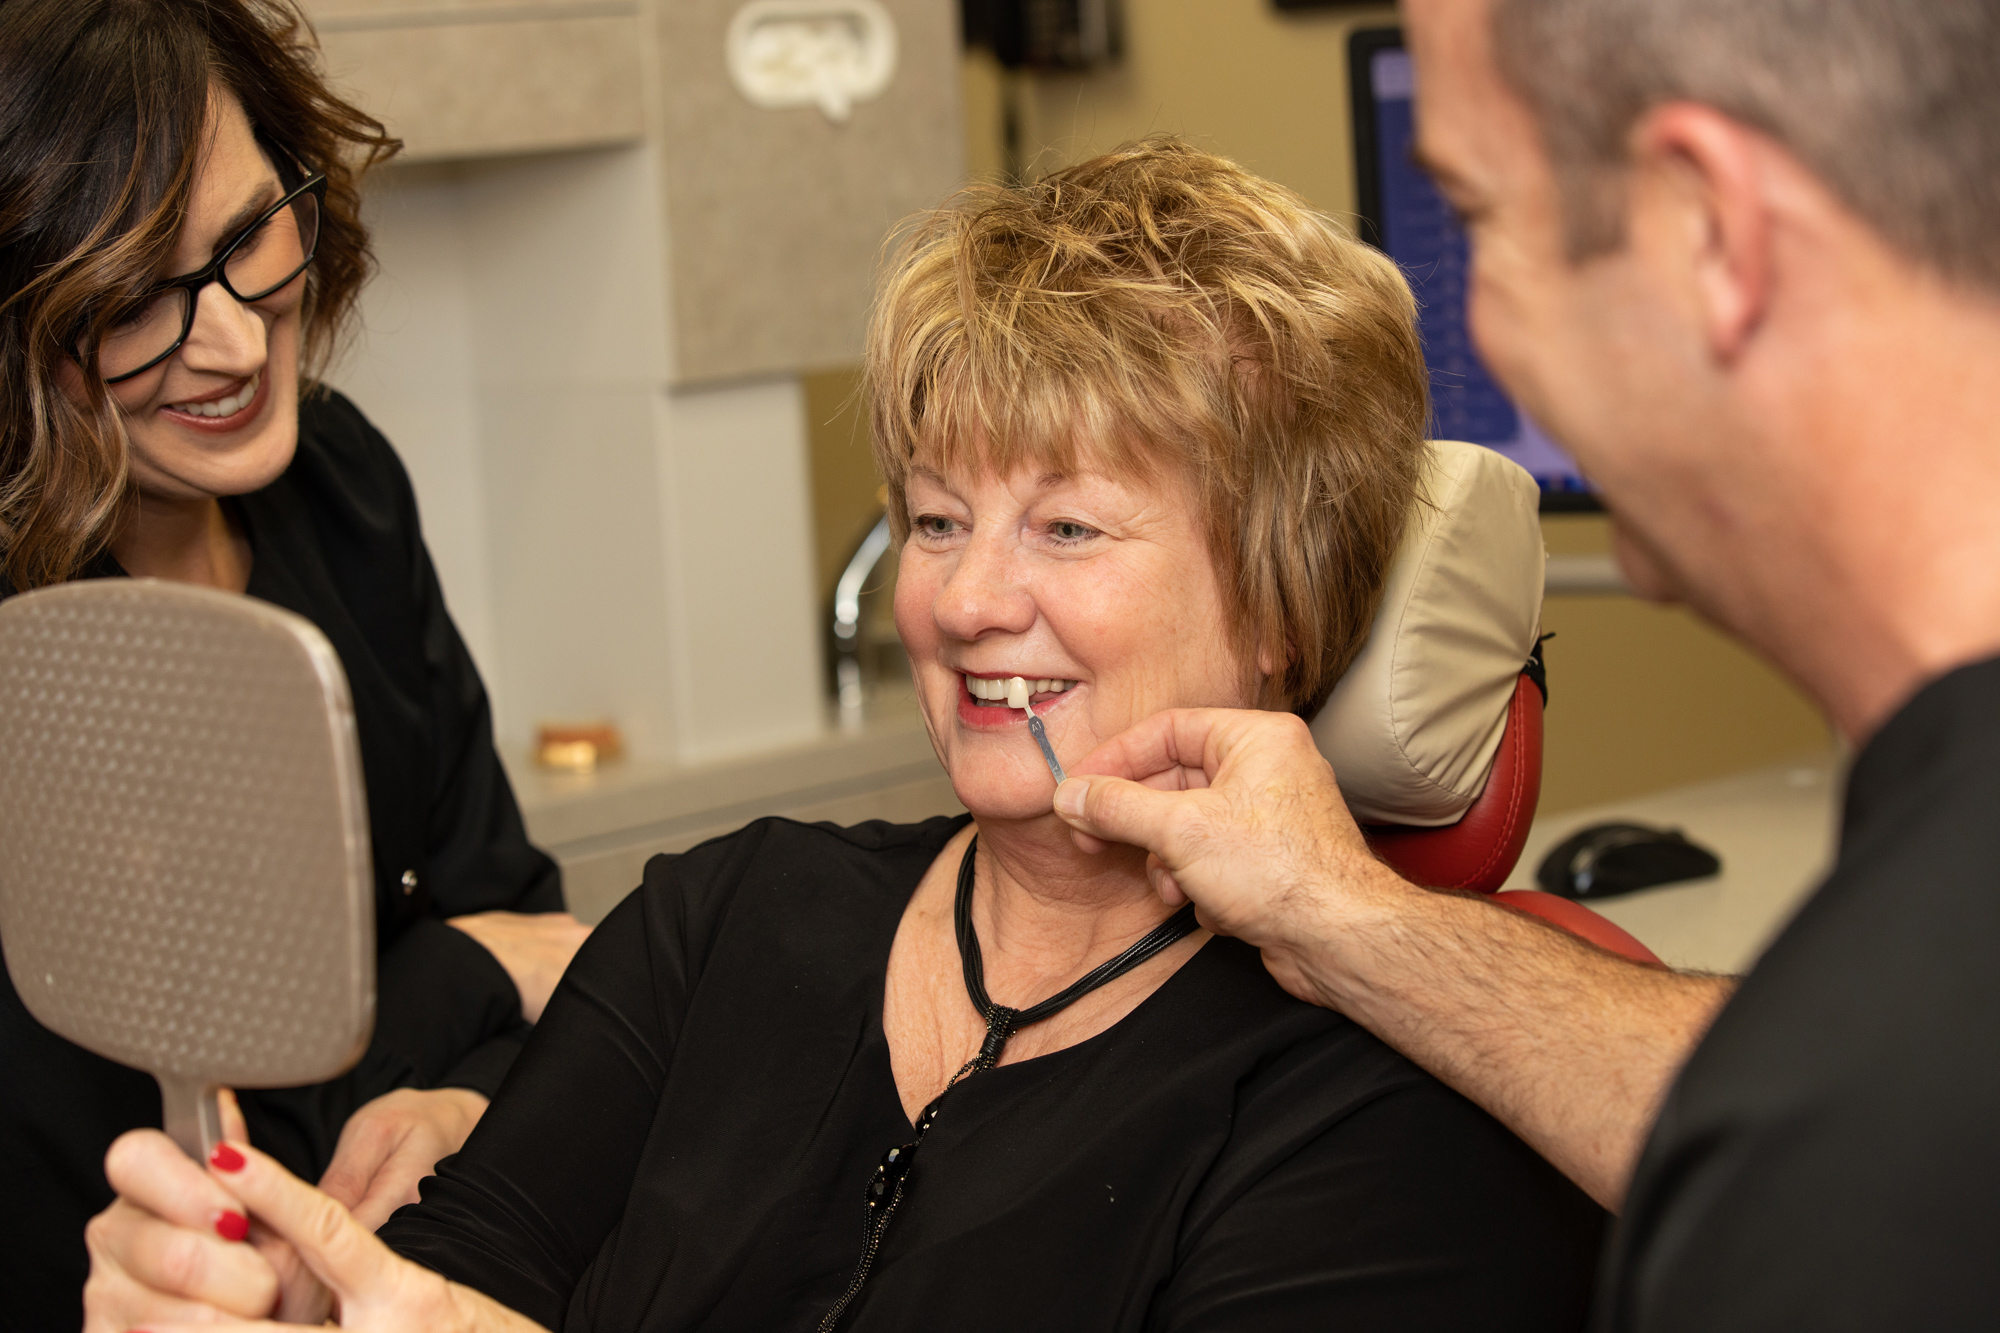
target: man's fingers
<point>1162,744</point>
<point>1185,748</point>
<point>339,1250</point>
<point>1120,810</point>
<point>1164,883</point>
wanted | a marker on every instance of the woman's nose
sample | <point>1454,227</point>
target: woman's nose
<point>985,593</point>
<point>227,336</point>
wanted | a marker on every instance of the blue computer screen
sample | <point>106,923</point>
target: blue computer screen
<point>1420,234</point>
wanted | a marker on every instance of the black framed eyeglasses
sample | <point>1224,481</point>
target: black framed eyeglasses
<point>267,255</point>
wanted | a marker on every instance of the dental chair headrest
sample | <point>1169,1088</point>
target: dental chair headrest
<point>1412,728</point>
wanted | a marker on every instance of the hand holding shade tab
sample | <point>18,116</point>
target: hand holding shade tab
<point>185,885</point>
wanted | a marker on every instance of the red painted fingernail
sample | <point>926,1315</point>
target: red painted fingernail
<point>232,1226</point>
<point>225,1158</point>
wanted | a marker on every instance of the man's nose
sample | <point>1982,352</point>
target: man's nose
<point>986,592</point>
<point>227,338</point>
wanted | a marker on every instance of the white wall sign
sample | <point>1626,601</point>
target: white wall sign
<point>824,53</point>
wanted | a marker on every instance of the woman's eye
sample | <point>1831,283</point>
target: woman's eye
<point>250,240</point>
<point>933,526</point>
<point>1069,533</point>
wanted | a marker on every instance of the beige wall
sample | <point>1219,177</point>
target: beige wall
<point>844,484</point>
<point>1237,77</point>
<point>1642,697</point>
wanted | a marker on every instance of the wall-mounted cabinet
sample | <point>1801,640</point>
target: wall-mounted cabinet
<point>477,78</point>
<point>776,217</point>
<point>775,214</point>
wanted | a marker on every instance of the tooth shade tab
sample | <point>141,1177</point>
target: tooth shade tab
<point>1017,692</point>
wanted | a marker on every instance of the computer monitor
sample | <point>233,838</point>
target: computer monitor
<point>1403,213</point>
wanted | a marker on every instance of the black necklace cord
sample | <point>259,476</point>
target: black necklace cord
<point>1002,1022</point>
<point>886,1186</point>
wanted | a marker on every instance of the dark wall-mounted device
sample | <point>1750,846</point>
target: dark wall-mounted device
<point>1046,34</point>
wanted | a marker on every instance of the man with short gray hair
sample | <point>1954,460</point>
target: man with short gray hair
<point>1741,257</point>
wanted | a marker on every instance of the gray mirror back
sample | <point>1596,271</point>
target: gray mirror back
<point>185,883</point>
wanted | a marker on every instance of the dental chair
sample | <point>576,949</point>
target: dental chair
<point>1435,732</point>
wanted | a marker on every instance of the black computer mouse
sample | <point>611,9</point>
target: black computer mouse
<point>1607,859</point>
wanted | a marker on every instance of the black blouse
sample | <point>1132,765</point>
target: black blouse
<point>685,1142</point>
<point>336,539</point>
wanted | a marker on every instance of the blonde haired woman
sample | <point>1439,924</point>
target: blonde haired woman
<point>1150,428</point>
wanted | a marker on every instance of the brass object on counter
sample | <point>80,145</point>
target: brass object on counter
<point>576,747</point>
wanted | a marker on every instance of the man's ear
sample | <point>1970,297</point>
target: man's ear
<point>1711,172</point>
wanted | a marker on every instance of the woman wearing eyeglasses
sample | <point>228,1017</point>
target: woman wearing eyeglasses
<point>180,249</point>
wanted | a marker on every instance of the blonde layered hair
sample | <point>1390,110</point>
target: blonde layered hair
<point>1159,310</point>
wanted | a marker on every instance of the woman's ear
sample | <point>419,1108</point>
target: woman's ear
<point>69,378</point>
<point>1272,660</point>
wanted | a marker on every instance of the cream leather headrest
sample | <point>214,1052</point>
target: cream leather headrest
<point>1412,728</point>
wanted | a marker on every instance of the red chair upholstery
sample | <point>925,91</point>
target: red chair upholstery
<point>1580,921</point>
<point>1476,854</point>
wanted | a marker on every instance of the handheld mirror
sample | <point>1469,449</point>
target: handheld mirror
<point>185,884</point>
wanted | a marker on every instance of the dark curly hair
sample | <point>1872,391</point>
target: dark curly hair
<point>103,105</point>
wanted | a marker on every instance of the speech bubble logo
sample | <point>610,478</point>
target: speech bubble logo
<point>824,53</point>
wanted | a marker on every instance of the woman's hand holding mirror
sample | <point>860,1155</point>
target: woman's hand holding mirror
<point>160,1262</point>
<point>171,1247</point>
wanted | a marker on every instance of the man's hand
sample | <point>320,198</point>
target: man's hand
<point>1240,813</point>
<point>535,948</point>
<point>393,1142</point>
<point>1570,1047</point>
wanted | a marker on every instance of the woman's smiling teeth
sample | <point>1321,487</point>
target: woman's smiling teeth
<point>222,407</point>
<point>1013,691</point>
